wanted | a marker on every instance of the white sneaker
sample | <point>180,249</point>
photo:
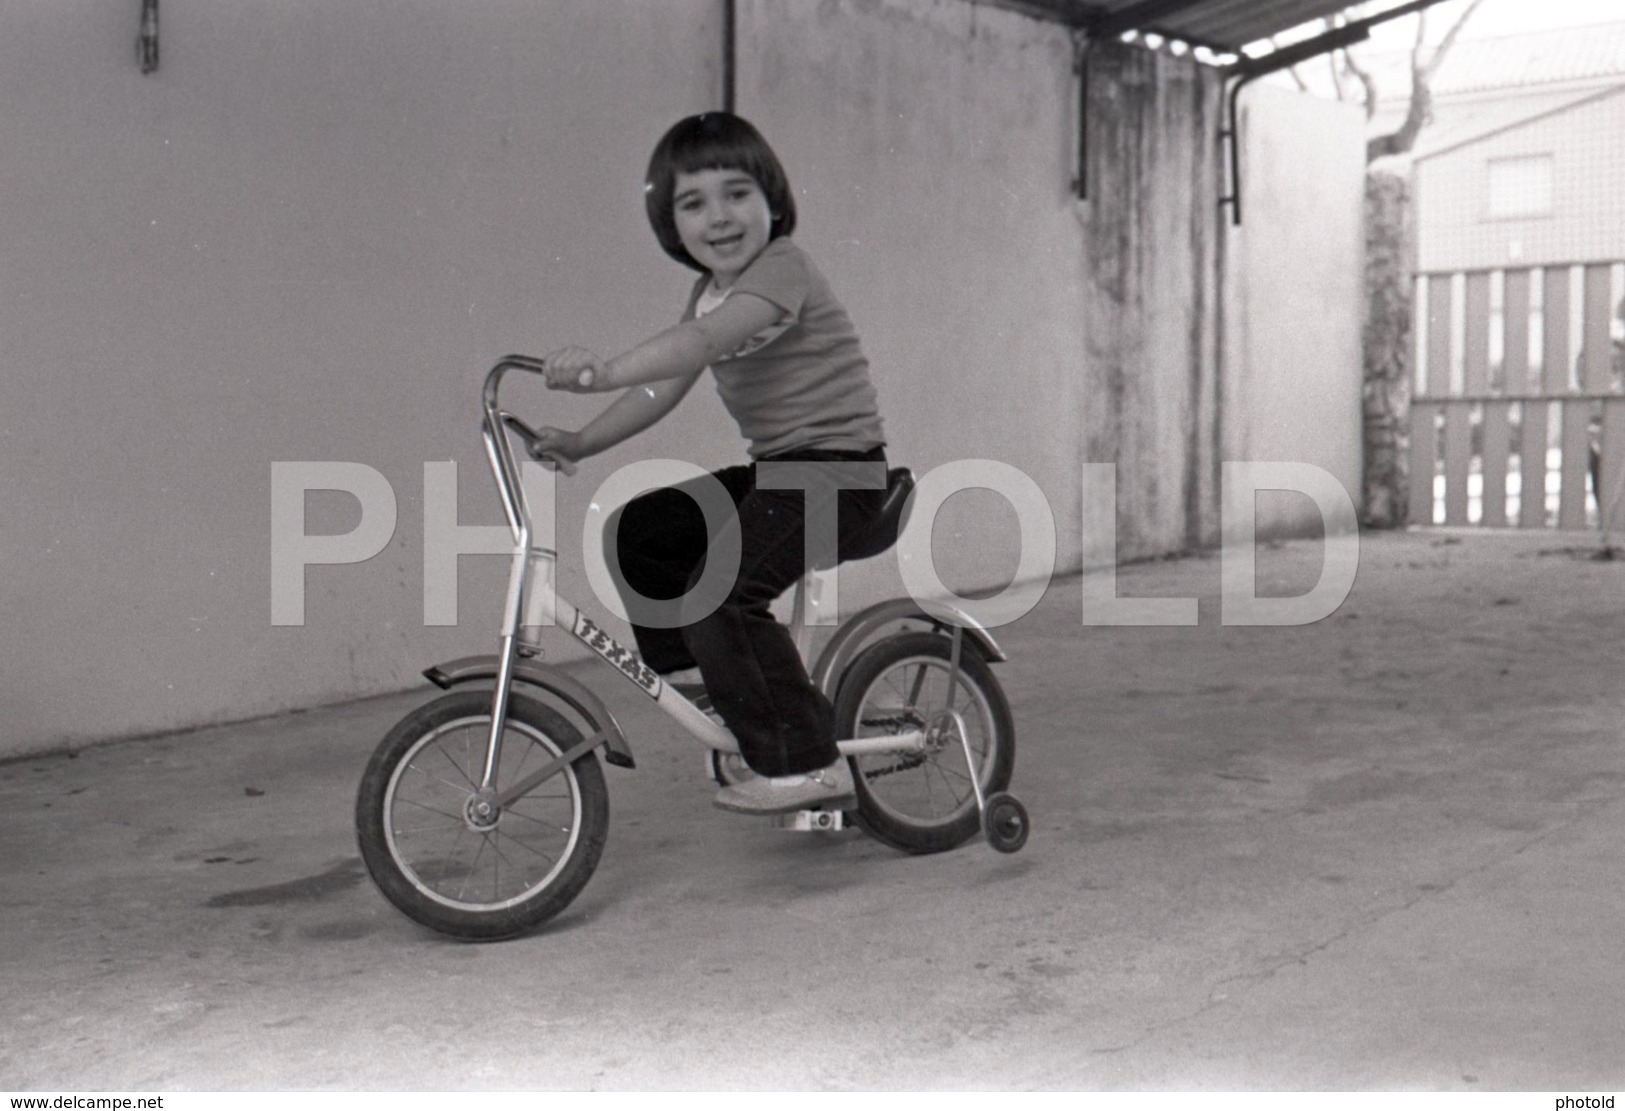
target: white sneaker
<point>827,788</point>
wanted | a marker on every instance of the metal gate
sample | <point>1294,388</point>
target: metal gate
<point>1518,411</point>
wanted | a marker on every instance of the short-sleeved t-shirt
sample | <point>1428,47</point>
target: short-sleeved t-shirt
<point>804,382</point>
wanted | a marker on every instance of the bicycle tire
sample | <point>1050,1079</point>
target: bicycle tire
<point>443,866</point>
<point>924,803</point>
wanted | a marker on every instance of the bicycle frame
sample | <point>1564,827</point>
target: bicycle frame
<point>530,592</point>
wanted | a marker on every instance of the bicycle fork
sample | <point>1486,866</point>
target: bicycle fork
<point>507,653</point>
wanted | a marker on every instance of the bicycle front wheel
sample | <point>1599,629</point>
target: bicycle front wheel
<point>443,855</point>
<point>924,802</point>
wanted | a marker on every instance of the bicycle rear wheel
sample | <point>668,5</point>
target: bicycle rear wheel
<point>924,802</point>
<point>437,849</point>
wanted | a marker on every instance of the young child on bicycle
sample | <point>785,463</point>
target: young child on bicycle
<point>790,370</point>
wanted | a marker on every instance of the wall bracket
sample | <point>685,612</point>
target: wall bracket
<point>730,53</point>
<point>146,45</point>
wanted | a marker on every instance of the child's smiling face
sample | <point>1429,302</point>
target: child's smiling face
<point>723,219</point>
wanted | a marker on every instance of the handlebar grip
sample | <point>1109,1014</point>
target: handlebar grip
<point>585,379</point>
<point>529,433</point>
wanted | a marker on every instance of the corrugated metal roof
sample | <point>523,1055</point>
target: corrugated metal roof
<point>1224,25</point>
<point>1233,24</point>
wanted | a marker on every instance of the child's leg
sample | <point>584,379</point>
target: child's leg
<point>660,539</point>
<point>753,672</point>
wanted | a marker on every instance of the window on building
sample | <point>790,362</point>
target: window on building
<point>1520,187</point>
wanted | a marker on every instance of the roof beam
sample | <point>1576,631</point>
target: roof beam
<point>1325,43</point>
<point>1068,13</point>
<point>1163,17</point>
<point>1289,56</point>
<point>1135,17</point>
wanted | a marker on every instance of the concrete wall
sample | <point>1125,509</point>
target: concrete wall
<point>310,233</point>
<point>1151,296</point>
<point>932,145</point>
<point>1293,346</point>
<point>304,238</point>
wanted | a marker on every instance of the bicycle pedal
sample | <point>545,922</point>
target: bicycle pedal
<point>811,821</point>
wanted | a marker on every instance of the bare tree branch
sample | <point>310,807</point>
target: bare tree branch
<point>1330,23</point>
<point>1450,37</point>
<point>1368,82</point>
<point>1423,67</point>
<point>1297,78</point>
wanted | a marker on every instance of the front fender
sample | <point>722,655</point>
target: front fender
<point>569,690</point>
<point>851,637</point>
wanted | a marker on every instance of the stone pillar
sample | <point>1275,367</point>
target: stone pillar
<point>1389,348</point>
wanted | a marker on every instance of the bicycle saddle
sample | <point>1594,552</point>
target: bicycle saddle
<point>888,525</point>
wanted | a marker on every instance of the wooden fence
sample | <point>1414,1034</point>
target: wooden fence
<point>1518,411</point>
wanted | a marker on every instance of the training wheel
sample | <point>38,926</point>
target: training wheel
<point>1004,822</point>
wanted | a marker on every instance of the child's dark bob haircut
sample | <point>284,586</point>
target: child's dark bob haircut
<point>713,141</point>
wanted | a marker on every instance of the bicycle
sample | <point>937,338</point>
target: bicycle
<point>483,813</point>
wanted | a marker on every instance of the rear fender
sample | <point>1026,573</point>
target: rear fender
<point>569,690</point>
<point>853,635</point>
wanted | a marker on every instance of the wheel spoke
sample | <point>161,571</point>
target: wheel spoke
<point>458,818</point>
<point>411,831</point>
<point>533,850</point>
<point>543,822</point>
<point>461,771</point>
<point>942,774</point>
<point>517,772</point>
<point>496,864</point>
<point>460,788</point>
<point>473,866</point>
<point>913,699</point>
<point>945,770</point>
<point>929,799</point>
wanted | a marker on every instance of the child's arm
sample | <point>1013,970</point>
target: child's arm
<point>662,369</point>
<point>680,351</point>
<point>626,416</point>
<point>634,411</point>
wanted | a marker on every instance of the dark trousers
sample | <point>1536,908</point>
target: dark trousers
<point>756,678</point>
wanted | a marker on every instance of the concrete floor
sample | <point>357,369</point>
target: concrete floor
<point>1381,851</point>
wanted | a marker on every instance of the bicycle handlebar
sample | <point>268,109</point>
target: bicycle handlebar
<point>530,434</point>
<point>496,417</point>
<point>493,380</point>
<point>499,445</point>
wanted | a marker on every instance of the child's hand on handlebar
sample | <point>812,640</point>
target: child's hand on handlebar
<point>573,368</point>
<point>556,448</point>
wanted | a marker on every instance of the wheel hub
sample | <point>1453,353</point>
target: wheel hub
<point>481,812</point>
<point>945,728</point>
